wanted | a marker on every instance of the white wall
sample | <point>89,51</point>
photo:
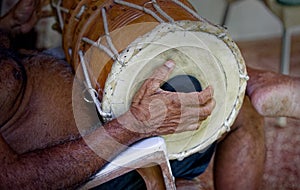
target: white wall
<point>247,19</point>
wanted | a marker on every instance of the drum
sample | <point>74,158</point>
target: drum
<point>121,42</point>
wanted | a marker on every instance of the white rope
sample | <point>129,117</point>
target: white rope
<point>81,11</point>
<point>60,9</point>
<point>244,76</point>
<point>160,11</point>
<point>148,11</point>
<point>108,38</point>
<point>100,46</point>
<point>90,88</point>
<point>189,10</point>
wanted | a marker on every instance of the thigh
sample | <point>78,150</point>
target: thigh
<point>242,151</point>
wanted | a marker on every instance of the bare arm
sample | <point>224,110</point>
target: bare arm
<point>64,165</point>
<point>153,112</point>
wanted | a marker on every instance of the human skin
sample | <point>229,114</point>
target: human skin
<point>40,144</point>
<point>273,94</point>
<point>240,156</point>
<point>60,139</point>
<point>22,17</point>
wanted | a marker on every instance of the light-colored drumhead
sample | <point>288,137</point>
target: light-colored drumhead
<point>199,49</point>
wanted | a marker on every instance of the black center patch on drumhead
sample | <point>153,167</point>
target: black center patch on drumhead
<point>182,83</point>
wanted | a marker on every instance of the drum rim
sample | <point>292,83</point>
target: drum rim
<point>218,31</point>
<point>221,34</point>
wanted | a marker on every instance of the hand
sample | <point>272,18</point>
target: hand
<point>22,17</point>
<point>159,112</point>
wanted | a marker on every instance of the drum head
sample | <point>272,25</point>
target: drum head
<point>200,50</point>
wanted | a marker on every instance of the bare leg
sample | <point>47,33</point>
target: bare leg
<point>273,94</point>
<point>240,156</point>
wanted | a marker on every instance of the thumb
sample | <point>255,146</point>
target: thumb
<point>161,74</point>
<point>153,83</point>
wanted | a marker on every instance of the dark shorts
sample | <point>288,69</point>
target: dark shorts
<point>188,168</point>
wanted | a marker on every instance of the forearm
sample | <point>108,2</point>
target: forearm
<point>68,164</point>
<point>57,167</point>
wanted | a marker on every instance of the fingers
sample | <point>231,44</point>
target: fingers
<point>192,98</point>
<point>160,75</point>
<point>201,112</point>
<point>152,84</point>
<point>201,98</point>
<point>206,110</point>
<point>206,94</point>
<point>196,106</point>
<point>180,108</point>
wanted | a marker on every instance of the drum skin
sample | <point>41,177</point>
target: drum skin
<point>199,48</point>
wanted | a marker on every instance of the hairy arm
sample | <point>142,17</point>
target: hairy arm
<point>153,112</point>
<point>67,164</point>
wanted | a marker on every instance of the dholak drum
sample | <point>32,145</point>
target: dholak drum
<point>122,42</point>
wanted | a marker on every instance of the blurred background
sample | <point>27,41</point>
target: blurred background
<point>258,32</point>
<point>246,19</point>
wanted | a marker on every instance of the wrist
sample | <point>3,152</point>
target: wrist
<point>124,129</point>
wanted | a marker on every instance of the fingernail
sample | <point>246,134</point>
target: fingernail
<point>170,64</point>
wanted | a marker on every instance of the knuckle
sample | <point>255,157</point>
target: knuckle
<point>202,97</point>
<point>210,90</point>
<point>206,95</point>
<point>207,110</point>
<point>213,104</point>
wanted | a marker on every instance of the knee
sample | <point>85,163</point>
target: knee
<point>248,128</point>
<point>248,116</point>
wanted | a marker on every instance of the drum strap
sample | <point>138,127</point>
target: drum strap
<point>108,38</point>
<point>59,10</point>
<point>141,8</point>
<point>111,50</point>
<point>93,93</point>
